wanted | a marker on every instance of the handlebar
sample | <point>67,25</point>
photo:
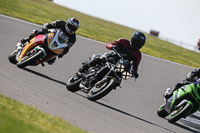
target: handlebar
<point>117,53</point>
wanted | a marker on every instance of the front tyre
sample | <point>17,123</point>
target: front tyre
<point>28,60</point>
<point>12,57</point>
<point>97,92</point>
<point>162,112</point>
<point>180,112</point>
<point>73,83</point>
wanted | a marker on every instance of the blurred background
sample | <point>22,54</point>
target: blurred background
<point>176,21</point>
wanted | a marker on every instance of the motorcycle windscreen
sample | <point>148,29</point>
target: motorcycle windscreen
<point>63,38</point>
<point>57,42</point>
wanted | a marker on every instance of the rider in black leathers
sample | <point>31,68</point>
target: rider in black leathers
<point>191,78</point>
<point>68,27</point>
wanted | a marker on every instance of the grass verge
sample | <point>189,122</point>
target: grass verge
<point>42,11</point>
<point>19,118</point>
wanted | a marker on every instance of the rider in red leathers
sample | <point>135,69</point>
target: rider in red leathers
<point>129,49</point>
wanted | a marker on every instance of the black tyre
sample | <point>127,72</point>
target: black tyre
<point>73,83</point>
<point>12,57</point>
<point>162,112</point>
<point>98,92</point>
<point>28,60</point>
<point>179,113</point>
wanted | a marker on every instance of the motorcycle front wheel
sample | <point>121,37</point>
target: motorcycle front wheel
<point>97,92</point>
<point>161,111</point>
<point>28,60</point>
<point>73,83</point>
<point>12,57</point>
<point>180,112</point>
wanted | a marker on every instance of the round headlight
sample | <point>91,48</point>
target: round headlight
<point>125,75</point>
<point>120,68</point>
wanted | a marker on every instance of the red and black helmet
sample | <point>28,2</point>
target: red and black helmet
<point>72,25</point>
<point>138,40</point>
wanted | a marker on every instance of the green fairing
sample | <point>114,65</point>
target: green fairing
<point>184,91</point>
<point>184,102</point>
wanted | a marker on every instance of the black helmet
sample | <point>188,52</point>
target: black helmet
<point>72,25</point>
<point>138,40</point>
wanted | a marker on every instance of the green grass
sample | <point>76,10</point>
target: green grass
<point>18,118</point>
<point>42,11</point>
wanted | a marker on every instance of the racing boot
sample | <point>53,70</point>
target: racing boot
<point>51,61</point>
<point>87,65</point>
<point>33,34</point>
<point>84,67</point>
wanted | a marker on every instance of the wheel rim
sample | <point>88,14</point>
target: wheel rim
<point>98,87</point>
<point>24,59</point>
<point>176,111</point>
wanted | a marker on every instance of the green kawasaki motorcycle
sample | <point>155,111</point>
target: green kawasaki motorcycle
<point>184,102</point>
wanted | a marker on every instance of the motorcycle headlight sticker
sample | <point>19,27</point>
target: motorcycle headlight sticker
<point>125,75</point>
<point>120,68</point>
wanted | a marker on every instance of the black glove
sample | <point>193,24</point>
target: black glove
<point>116,48</point>
<point>34,32</point>
<point>190,79</point>
<point>45,30</point>
<point>135,74</point>
<point>178,85</point>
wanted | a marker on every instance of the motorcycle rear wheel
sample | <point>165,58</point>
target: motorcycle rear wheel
<point>12,57</point>
<point>180,113</point>
<point>73,83</point>
<point>30,60</point>
<point>98,92</point>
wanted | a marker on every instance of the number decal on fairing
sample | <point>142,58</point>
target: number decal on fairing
<point>54,44</point>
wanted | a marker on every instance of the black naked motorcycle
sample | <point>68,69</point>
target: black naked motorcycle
<point>99,80</point>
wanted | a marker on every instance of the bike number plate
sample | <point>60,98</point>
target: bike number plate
<point>54,45</point>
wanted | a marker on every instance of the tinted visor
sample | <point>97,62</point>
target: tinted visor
<point>70,29</point>
<point>136,44</point>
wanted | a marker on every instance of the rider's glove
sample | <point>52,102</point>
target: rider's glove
<point>34,32</point>
<point>178,85</point>
<point>190,79</point>
<point>45,30</point>
<point>116,48</point>
<point>135,74</point>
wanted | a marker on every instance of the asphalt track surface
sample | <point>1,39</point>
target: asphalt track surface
<point>130,109</point>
